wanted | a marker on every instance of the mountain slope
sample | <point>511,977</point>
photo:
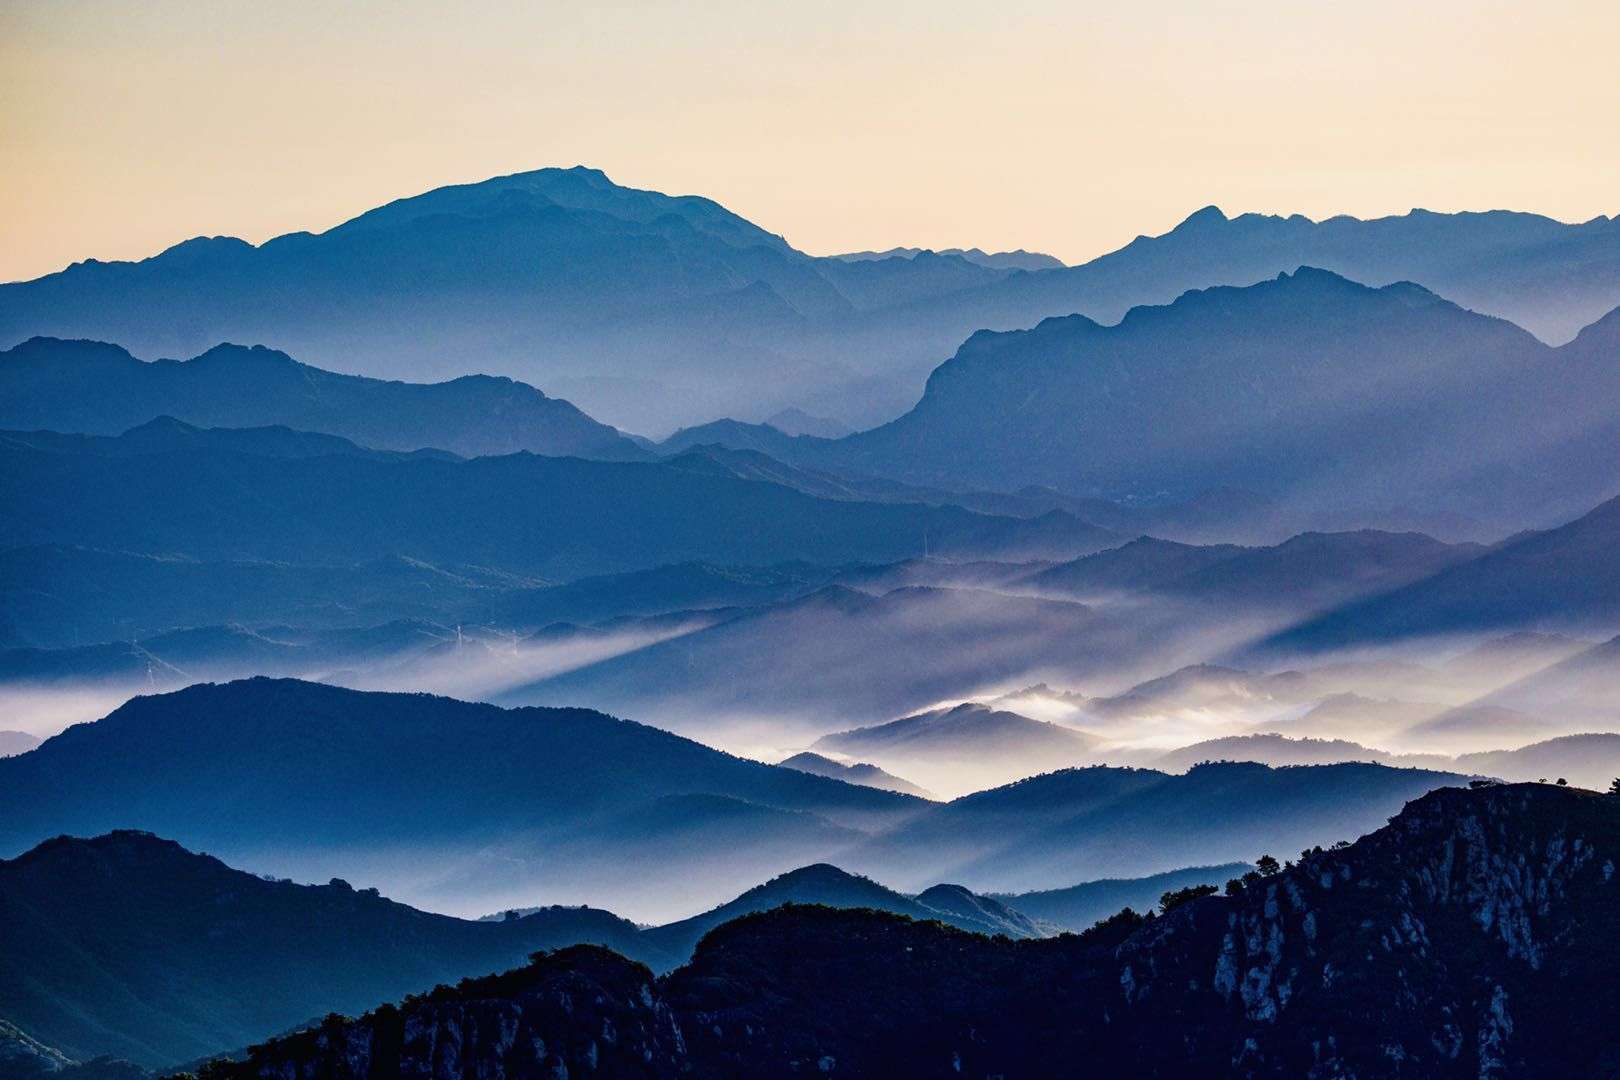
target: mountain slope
<point>164,955</point>
<point>87,386</point>
<point>1494,908</point>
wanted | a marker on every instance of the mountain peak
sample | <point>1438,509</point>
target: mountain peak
<point>1201,218</point>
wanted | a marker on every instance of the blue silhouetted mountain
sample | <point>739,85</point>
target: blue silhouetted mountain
<point>1051,831</point>
<point>164,955</point>
<point>830,886</point>
<point>470,804</point>
<point>1564,578</point>
<point>652,312</point>
<point>1311,570</point>
<point>16,742</point>
<point>1333,397</point>
<point>863,773</point>
<point>1080,907</point>
<point>965,747</point>
<point>795,421</point>
<point>86,386</point>
<point>995,260</point>
<point>262,494</point>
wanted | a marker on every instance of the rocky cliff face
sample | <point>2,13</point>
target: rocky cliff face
<point>1474,936</point>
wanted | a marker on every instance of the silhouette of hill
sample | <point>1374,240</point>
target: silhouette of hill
<point>99,389</point>
<point>832,887</point>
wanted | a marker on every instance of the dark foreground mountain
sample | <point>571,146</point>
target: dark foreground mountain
<point>132,946</point>
<point>474,807</point>
<point>100,389</point>
<point>1494,910</point>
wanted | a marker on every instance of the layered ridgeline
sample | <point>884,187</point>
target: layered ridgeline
<point>653,312</point>
<point>1336,398</point>
<point>460,806</point>
<point>128,945</point>
<point>272,494</point>
<point>99,389</point>
<point>1495,909</point>
<point>476,808</point>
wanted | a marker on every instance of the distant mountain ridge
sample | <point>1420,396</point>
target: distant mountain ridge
<point>262,495</point>
<point>99,389</point>
<point>1303,388</point>
<point>655,312</point>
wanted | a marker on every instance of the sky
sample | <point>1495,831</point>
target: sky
<point>1064,127</point>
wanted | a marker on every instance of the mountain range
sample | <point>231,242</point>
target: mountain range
<point>271,494</point>
<point>654,312</point>
<point>99,389</point>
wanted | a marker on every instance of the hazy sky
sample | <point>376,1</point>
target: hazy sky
<point>1068,127</point>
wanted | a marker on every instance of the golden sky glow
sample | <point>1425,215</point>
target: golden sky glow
<point>1066,127</point>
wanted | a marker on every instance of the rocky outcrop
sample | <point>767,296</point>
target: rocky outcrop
<point>1475,936</point>
<point>579,1011</point>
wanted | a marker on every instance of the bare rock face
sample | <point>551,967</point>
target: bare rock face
<point>1475,936</point>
